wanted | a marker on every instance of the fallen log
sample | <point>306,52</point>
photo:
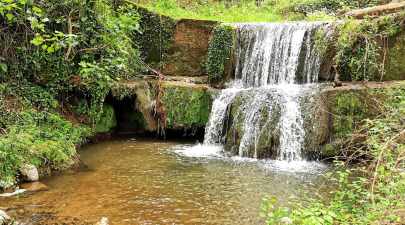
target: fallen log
<point>377,10</point>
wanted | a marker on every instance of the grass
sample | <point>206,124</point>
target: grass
<point>33,132</point>
<point>245,11</point>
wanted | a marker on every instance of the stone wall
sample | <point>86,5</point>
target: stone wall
<point>188,51</point>
<point>395,65</point>
<point>187,105</point>
<point>174,47</point>
<point>342,110</point>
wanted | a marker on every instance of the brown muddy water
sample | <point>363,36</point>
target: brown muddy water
<point>141,181</point>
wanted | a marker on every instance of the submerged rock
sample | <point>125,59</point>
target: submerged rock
<point>29,173</point>
<point>286,220</point>
<point>103,221</point>
<point>10,194</point>
<point>34,187</point>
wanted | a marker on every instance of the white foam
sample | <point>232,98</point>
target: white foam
<point>217,152</point>
<point>199,151</point>
<point>300,166</point>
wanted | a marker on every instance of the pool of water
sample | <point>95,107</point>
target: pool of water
<point>141,181</point>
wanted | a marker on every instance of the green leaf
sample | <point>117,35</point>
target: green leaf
<point>3,67</point>
<point>51,49</point>
<point>9,16</point>
<point>37,41</point>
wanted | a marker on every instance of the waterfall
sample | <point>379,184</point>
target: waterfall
<point>214,128</point>
<point>260,115</point>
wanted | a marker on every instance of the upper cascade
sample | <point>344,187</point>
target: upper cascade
<point>266,112</point>
<point>277,53</point>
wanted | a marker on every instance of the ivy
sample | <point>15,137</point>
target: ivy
<point>219,52</point>
<point>361,45</point>
<point>156,37</point>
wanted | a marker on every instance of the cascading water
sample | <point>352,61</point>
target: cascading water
<point>261,116</point>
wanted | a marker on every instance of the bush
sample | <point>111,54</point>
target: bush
<point>369,193</point>
<point>41,139</point>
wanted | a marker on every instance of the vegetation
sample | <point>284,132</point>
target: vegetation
<point>362,47</point>
<point>219,52</point>
<point>32,132</point>
<point>58,57</point>
<point>264,11</point>
<point>372,191</point>
<point>196,100</point>
<point>156,37</point>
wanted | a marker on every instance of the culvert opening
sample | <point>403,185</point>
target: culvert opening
<point>131,121</point>
<point>129,118</point>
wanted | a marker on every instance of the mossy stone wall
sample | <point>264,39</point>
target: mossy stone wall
<point>107,121</point>
<point>347,108</point>
<point>395,66</point>
<point>156,37</point>
<point>187,106</point>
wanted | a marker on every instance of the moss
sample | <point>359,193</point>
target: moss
<point>186,106</point>
<point>395,67</point>
<point>219,52</point>
<point>329,151</point>
<point>361,45</point>
<point>349,109</point>
<point>143,93</point>
<point>156,36</point>
<point>107,120</point>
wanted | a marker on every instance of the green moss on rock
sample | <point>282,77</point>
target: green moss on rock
<point>107,120</point>
<point>187,106</point>
<point>349,107</point>
<point>156,36</point>
<point>395,67</point>
<point>349,110</point>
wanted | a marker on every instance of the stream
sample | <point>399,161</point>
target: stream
<point>146,181</point>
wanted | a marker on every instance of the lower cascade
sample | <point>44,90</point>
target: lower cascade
<point>267,111</point>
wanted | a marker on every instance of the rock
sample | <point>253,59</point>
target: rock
<point>29,173</point>
<point>103,221</point>
<point>17,192</point>
<point>286,220</point>
<point>4,218</point>
<point>187,106</point>
<point>394,68</point>
<point>34,187</point>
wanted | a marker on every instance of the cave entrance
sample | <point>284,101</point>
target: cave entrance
<point>129,118</point>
